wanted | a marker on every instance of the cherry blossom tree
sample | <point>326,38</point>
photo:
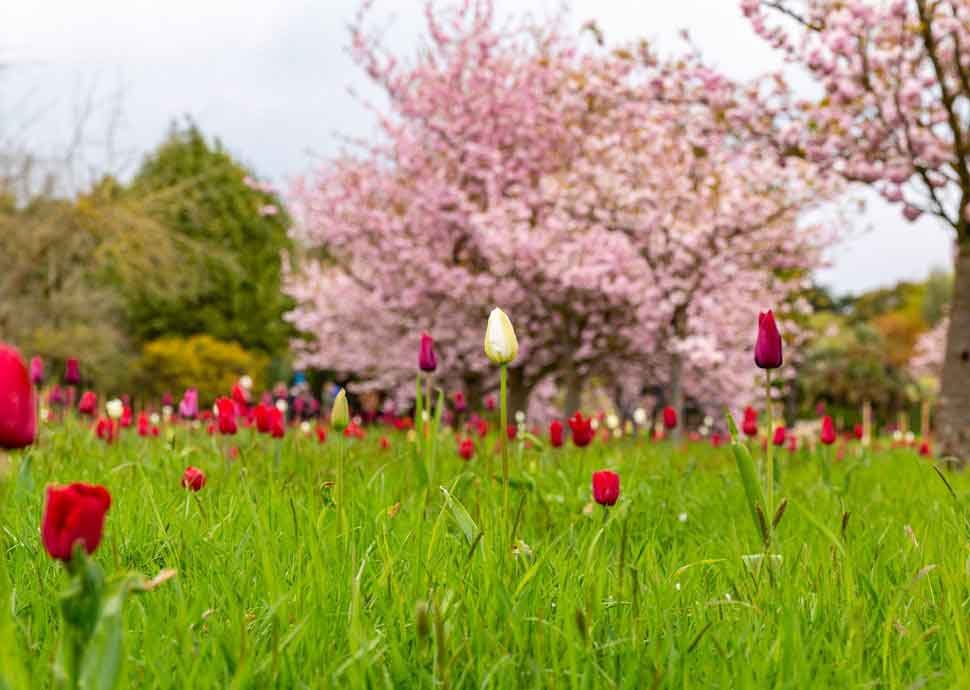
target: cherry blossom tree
<point>894,115</point>
<point>593,193</point>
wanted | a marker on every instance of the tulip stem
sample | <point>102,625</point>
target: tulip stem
<point>770,446</point>
<point>341,451</point>
<point>503,433</point>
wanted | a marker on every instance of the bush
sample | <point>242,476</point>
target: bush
<point>212,366</point>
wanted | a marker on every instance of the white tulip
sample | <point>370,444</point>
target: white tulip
<point>640,416</point>
<point>115,408</point>
<point>520,417</point>
<point>501,346</point>
<point>246,382</point>
<point>281,405</point>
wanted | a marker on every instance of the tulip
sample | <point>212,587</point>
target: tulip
<point>828,431</point>
<point>924,449</point>
<point>767,348</point>
<point>555,433</point>
<point>489,402</point>
<point>226,410</point>
<point>779,436</point>
<point>501,346</point>
<point>582,429</point>
<point>606,487</point>
<point>189,406</point>
<point>73,514</point>
<point>277,423</point>
<point>340,412</point>
<point>792,444</point>
<point>261,415</point>
<point>321,434</point>
<point>716,440</point>
<point>193,478</point>
<point>750,426</point>
<point>36,370</point>
<point>670,418</point>
<point>144,424</point>
<point>385,443</point>
<point>466,449</point>
<point>512,431</point>
<point>427,360</point>
<point>18,401</point>
<point>458,399</point>
<point>167,400</point>
<point>115,408</point>
<point>106,429</point>
<point>857,432</point>
<point>55,397</point>
<point>88,403</point>
<point>72,372</point>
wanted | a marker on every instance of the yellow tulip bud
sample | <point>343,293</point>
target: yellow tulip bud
<point>340,413</point>
<point>500,344</point>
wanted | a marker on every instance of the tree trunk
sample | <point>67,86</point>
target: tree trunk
<point>953,421</point>
<point>574,389</point>
<point>676,390</point>
<point>518,392</point>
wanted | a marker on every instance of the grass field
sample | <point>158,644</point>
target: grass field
<point>272,592</point>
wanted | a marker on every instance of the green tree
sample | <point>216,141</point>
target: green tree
<point>229,282</point>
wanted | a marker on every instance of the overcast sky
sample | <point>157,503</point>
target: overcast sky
<point>270,79</point>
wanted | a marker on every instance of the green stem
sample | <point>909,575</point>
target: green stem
<point>341,505</point>
<point>504,434</point>
<point>770,465</point>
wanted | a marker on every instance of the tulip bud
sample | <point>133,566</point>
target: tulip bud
<point>670,418</point>
<point>556,433</point>
<point>193,479</point>
<point>640,416</point>
<point>501,346</point>
<point>72,372</point>
<point>767,348</point>
<point>427,360</point>
<point>115,408</point>
<point>36,370</point>
<point>606,487</point>
<point>340,412</point>
<point>778,438</point>
<point>828,431</point>
<point>18,401</point>
<point>73,514</point>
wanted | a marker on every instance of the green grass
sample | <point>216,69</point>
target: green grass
<point>271,594</point>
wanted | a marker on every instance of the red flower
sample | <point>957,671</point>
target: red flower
<point>458,399</point>
<point>750,424</point>
<point>261,414</point>
<point>385,443</point>
<point>427,361</point>
<point>670,418</point>
<point>490,402</point>
<point>226,412</point>
<point>18,402</point>
<point>72,514</point>
<point>792,443</point>
<point>555,433</point>
<point>106,429</point>
<point>466,449</point>
<point>193,478</point>
<point>857,432</point>
<point>779,437</point>
<point>606,487</point>
<point>354,430</point>
<point>828,430</point>
<point>512,431</point>
<point>72,372</point>
<point>277,425</point>
<point>36,370</point>
<point>716,439</point>
<point>582,429</point>
<point>321,434</point>
<point>126,414</point>
<point>144,424</point>
<point>767,348</point>
<point>924,449</point>
<point>88,404</point>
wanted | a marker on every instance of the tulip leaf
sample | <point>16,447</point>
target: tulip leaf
<point>101,665</point>
<point>461,516</point>
<point>749,477</point>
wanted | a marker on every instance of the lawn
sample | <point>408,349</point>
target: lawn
<point>430,584</point>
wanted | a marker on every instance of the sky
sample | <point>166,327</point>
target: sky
<point>273,81</point>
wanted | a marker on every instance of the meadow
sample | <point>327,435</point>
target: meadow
<point>430,583</point>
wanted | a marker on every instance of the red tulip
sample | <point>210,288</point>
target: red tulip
<point>226,416</point>
<point>385,443</point>
<point>767,348</point>
<point>828,430</point>
<point>36,370</point>
<point>924,449</point>
<point>489,402</point>
<point>354,430</point>
<point>18,401</point>
<point>72,372</point>
<point>106,429</point>
<point>88,404</point>
<point>670,418</point>
<point>750,426</point>
<point>512,431</point>
<point>779,436</point>
<point>126,414</point>
<point>555,433</point>
<point>716,439</point>
<point>193,478</point>
<point>857,432</point>
<point>72,514</point>
<point>427,360</point>
<point>466,449</point>
<point>582,429</point>
<point>321,434</point>
<point>144,424</point>
<point>277,424</point>
<point>792,443</point>
<point>261,414</point>
<point>458,399</point>
<point>606,487</point>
